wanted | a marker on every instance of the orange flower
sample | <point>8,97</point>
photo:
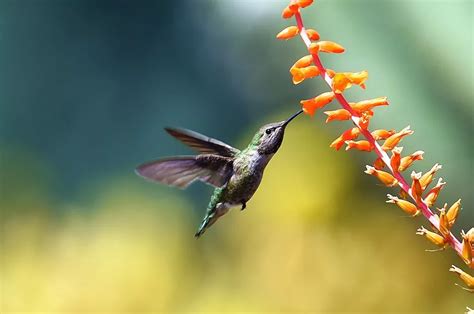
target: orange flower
<point>428,177</point>
<point>433,237</point>
<point>357,78</point>
<point>416,189</point>
<point>311,105</point>
<point>365,119</point>
<point>303,62</point>
<point>468,279</point>
<point>453,212</point>
<point>312,34</point>
<point>407,161</point>
<point>326,46</point>
<point>363,145</point>
<point>395,160</point>
<point>379,164</point>
<point>340,114</point>
<point>294,6</point>
<point>432,196</point>
<point>466,248</point>
<point>340,83</point>
<point>393,140</point>
<point>443,222</point>
<point>304,3</point>
<point>382,134</point>
<point>287,33</point>
<point>406,206</point>
<point>347,135</point>
<point>287,13</point>
<point>365,105</point>
<point>300,74</point>
<point>385,177</point>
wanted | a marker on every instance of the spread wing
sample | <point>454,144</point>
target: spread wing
<point>202,143</point>
<point>181,171</point>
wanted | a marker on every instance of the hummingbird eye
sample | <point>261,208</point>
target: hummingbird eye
<point>268,131</point>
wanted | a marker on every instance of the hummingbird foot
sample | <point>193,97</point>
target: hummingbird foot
<point>244,206</point>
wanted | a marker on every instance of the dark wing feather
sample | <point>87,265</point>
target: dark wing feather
<point>202,143</point>
<point>183,170</point>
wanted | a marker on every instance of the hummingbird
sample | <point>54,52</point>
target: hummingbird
<point>235,174</point>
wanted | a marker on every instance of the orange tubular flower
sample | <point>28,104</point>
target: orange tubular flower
<point>312,34</point>
<point>340,83</point>
<point>407,161</point>
<point>466,248</point>
<point>364,146</point>
<point>468,279</point>
<point>432,236</point>
<point>287,33</point>
<point>300,74</point>
<point>311,105</point>
<point>331,73</point>
<point>366,105</point>
<point>326,46</point>
<point>357,78</point>
<point>365,119</point>
<point>393,140</point>
<point>303,62</point>
<point>416,189</point>
<point>406,206</point>
<point>453,212</point>
<point>340,114</point>
<point>346,136</point>
<point>379,164</point>
<point>432,196</point>
<point>443,222</point>
<point>384,177</point>
<point>428,177</point>
<point>382,134</point>
<point>294,6</point>
<point>395,160</point>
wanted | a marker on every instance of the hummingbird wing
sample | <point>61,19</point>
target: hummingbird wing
<point>181,171</point>
<point>202,143</point>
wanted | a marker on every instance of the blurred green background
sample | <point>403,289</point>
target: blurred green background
<point>86,88</point>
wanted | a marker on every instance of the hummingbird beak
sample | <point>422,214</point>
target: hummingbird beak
<point>291,118</point>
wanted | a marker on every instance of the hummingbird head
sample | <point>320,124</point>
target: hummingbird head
<point>270,136</point>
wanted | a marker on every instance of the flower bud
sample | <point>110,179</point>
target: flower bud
<point>393,140</point>
<point>385,177</point>
<point>432,236</point>
<point>366,105</point>
<point>395,159</point>
<point>299,75</point>
<point>303,62</point>
<point>443,222</point>
<point>312,34</point>
<point>365,119</point>
<point>453,212</point>
<point>287,33</point>
<point>432,195</point>
<point>346,136</point>
<point>428,177</point>
<point>294,6</point>
<point>407,161</point>
<point>287,13</point>
<point>339,114</point>
<point>382,134</point>
<point>468,279</point>
<point>406,206</point>
<point>326,46</point>
<point>331,73</point>
<point>311,105</point>
<point>363,145</point>
<point>358,78</point>
<point>304,3</point>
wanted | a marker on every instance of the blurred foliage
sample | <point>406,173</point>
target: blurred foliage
<point>85,89</point>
